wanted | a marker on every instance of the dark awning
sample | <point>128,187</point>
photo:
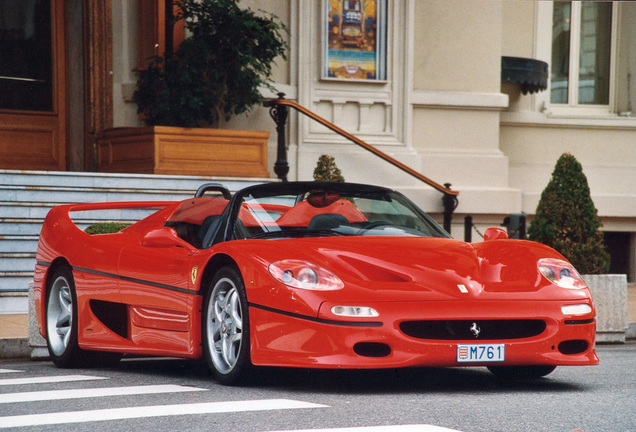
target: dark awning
<point>531,74</point>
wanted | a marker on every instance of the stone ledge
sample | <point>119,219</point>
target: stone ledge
<point>12,348</point>
<point>609,293</point>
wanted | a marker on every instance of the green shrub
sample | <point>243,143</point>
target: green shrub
<point>327,170</point>
<point>105,228</point>
<point>567,220</point>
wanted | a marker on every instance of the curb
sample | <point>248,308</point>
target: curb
<point>12,348</point>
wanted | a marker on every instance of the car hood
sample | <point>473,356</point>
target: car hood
<point>418,268</point>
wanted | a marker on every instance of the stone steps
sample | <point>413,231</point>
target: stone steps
<point>27,196</point>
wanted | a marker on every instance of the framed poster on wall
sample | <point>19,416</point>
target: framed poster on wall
<point>354,40</point>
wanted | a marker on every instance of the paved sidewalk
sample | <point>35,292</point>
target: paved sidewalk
<point>14,329</point>
<point>14,326</point>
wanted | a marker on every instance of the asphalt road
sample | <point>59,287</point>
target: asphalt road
<point>162,395</point>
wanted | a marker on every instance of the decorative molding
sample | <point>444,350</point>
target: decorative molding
<point>535,119</point>
<point>459,100</point>
<point>376,112</point>
<point>99,75</point>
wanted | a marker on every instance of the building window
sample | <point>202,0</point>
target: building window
<point>26,56</point>
<point>582,45</point>
<point>154,35</point>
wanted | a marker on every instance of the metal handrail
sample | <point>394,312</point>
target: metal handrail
<point>279,112</point>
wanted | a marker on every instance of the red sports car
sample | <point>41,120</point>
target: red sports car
<point>308,275</point>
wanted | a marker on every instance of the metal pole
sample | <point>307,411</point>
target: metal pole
<point>279,114</point>
<point>450,204</point>
<point>468,229</point>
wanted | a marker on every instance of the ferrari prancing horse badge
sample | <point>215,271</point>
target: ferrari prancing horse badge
<point>195,270</point>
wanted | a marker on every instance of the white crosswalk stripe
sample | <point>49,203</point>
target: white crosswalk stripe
<point>128,412</point>
<point>151,411</point>
<point>3,371</point>
<point>94,392</point>
<point>48,379</point>
<point>395,428</point>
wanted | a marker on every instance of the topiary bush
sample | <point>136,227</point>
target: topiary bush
<point>326,170</point>
<point>567,220</point>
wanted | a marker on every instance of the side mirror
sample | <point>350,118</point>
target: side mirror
<point>494,233</point>
<point>165,237</point>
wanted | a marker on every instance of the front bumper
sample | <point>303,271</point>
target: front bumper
<point>327,341</point>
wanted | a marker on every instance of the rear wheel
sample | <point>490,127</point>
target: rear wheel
<point>226,337</point>
<point>62,325</point>
<point>521,372</point>
<point>61,319</point>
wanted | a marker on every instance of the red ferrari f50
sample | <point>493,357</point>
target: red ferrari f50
<point>311,275</point>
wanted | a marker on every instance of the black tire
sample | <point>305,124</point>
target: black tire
<point>226,328</point>
<point>61,319</point>
<point>521,372</point>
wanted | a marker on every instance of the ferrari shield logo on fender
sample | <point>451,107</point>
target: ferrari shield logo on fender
<point>195,271</point>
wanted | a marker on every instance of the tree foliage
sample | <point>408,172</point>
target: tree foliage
<point>326,170</point>
<point>567,220</point>
<point>217,71</point>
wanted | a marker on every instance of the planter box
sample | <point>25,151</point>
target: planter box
<point>183,151</point>
<point>609,293</point>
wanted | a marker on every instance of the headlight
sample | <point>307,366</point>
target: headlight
<point>560,273</point>
<point>354,311</point>
<point>576,309</point>
<point>304,275</point>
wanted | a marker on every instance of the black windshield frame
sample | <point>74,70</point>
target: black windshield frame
<point>302,189</point>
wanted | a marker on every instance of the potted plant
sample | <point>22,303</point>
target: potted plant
<point>567,220</point>
<point>215,73</point>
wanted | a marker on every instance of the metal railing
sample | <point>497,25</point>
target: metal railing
<point>279,111</point>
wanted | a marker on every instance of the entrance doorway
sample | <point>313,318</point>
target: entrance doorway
<point>619,246</point>
<point>33,85</point>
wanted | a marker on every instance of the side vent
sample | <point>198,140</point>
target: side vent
<point>112,315</point>
<point>574,346</point>
<point>372,349</point>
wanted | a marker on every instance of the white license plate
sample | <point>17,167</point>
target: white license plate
<point>473,353</point>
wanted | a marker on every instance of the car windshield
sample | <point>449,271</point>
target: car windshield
<point>312,209</point>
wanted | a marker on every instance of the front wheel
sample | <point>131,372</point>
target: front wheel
<point>226,335</point>
<point>521,372</point>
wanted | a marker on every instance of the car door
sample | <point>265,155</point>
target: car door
<point>157,278</point>
<point>156,285</point>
